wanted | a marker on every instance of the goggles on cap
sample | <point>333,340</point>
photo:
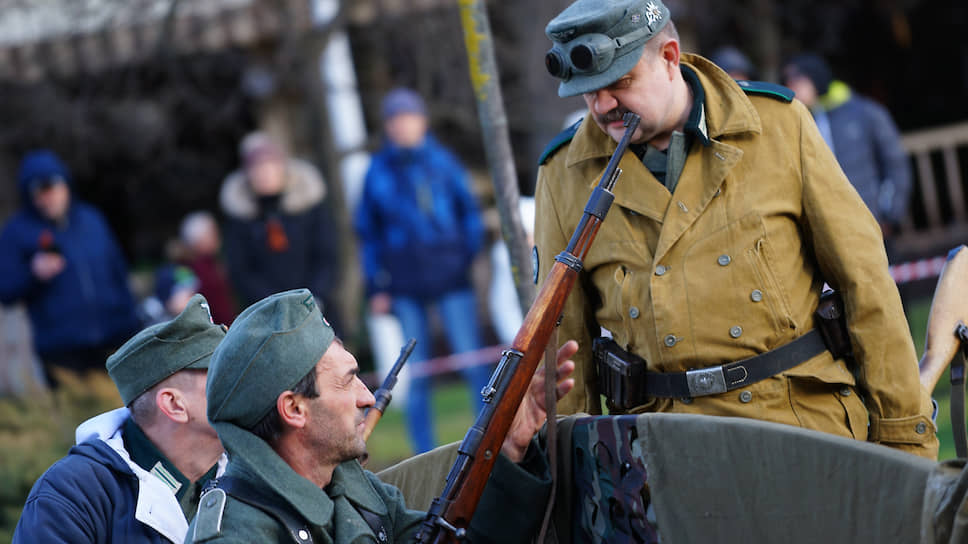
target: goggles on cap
<point>589,53</point>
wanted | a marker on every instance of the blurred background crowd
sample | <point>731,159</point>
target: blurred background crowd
<point>152,149</point>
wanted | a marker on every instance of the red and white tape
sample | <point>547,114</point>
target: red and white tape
<point>917,270</point>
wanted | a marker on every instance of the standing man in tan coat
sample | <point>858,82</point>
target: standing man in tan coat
<point>731,214</point>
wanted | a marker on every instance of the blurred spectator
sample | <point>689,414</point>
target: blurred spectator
<point>58,255</point>
<point>202,241</point>
<point>502,301</point>
<point>862,135</point>
<point>734,63</point>
<point>174,287</point>
<point>278,234</point>
<point>420,230</point>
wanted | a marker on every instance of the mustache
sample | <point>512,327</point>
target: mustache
<point>611,116</point>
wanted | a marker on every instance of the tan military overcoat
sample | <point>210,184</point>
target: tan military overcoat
<point>732,265</point>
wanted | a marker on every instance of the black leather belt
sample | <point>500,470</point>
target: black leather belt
<point>704,381</point>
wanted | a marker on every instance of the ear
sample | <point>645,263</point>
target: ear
<point>173,404</point>
<point>670,54</point>
<point>292,409</point>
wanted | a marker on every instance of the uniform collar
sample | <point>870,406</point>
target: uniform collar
<point>253,459</point>
<point>144,452</point>
<point>730,114</point>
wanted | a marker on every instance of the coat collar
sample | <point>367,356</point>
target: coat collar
<point>254,460</point>
<point>157,506</point>
<point>728,113</point>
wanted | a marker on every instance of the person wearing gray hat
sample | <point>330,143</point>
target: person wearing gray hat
<point>288,404</point>
<point>730,215</point>
<point>136,473</point>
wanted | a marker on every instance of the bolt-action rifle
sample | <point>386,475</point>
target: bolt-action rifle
<point>384,394</point>
<point>450,513</point>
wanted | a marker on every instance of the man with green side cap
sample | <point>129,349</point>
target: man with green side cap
<point>288,405</point>
<point>137,472</point>
<point>730,215</point>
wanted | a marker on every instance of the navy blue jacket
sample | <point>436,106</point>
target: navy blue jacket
<point>418,222</point>
<point>94,495</point>
<point>87,305</point>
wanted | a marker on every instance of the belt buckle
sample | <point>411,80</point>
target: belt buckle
<point>706,381</point>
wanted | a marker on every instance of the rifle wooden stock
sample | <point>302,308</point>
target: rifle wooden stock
<point>450,515</point>
<point>948,307</point>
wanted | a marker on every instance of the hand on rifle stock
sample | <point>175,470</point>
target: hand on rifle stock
<point>531,414</point>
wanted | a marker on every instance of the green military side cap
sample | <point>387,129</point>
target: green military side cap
<point>187,341</point>
<point>271,346</point>
<point>598,41</point>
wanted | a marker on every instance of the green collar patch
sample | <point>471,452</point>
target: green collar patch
<point>559,141</point>
<point>763,88</point>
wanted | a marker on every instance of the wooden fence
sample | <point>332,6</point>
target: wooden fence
<point>938,217</point>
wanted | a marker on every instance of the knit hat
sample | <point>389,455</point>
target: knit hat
<point>813,67</point>
<point>187,341</point>
<point>38,167</point>
<point>170,278</point>
<point>731,60</point>
<point>598,41</point>
<point>402,100</point>
<point>271,346</point>
<point>257,146</point>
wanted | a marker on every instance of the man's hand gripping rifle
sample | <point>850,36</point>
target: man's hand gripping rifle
<point>450,514</point>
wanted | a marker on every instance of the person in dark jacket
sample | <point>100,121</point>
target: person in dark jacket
<point>278,232</point>
<point>861,134</point>
<point>59,257</point>
<point>136,473</point>
<point>420,230</point>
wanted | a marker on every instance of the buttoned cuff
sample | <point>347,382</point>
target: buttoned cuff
<point>913,434</point>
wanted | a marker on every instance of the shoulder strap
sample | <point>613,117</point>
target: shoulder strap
<point>559,141</point>
<point>376,524</point>
<point>763,88</point>
<point>251,495</point>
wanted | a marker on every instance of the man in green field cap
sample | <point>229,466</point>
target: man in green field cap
<point>288,405</point>
<point>730,215</point>
<point>137,472</point>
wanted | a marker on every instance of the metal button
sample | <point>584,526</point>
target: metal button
<point>303,534</point>
<point>724,260</point>
<point>661,270</point>
<point>845,391</point>
<point>683,207</point>
<point>686,400</point>
<point>756,295</point>
<point>670,340</point>
<point>210,502</point>
<point>736,331</point>
<point>920,428</point>
<point>634,312</point>
<point>745,397</point>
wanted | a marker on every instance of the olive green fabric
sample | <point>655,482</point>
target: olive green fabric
<point>187,341</point>
<point>271,346</point>
<point>731,479</point>
<point>629,24</point>
<point>421,478</point>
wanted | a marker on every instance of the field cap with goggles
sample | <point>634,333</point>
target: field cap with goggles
<point>598,41</point>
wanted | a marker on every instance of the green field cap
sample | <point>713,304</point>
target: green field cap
<point>598,41</point>
<point>270,347</point>
<point>187,341</point>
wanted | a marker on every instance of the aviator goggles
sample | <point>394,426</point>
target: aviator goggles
<point>590,53</point>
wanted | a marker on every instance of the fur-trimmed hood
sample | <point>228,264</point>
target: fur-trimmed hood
<point>304,189</point>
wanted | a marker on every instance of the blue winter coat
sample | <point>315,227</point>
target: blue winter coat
<point>97,494</point>
<point>418,222</point>
<point>87,305</point>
